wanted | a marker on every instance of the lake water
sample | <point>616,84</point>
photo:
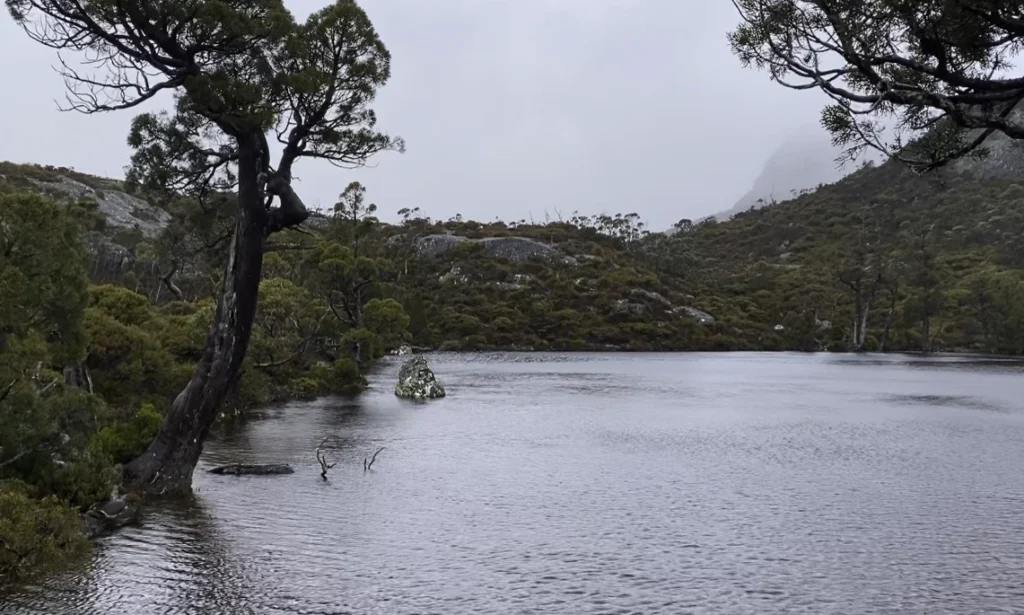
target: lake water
<point>600,483</point>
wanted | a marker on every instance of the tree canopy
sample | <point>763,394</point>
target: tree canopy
<point>242,73</point>
<point>238,70</point>
<point>924,81</point>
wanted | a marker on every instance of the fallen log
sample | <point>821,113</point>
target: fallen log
<point>257,469</point>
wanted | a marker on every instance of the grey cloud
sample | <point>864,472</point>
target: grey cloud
<point>509,109</point>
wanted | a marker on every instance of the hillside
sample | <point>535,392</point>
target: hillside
<point>919,263</point>
<point>933,261</point>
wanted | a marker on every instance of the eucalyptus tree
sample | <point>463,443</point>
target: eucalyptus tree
<point>242,74</point>
<point>924,81</point>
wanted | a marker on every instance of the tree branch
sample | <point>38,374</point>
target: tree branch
<point>368,466</point>
<point>15,458</point>
<point>321,457</point>
<point>7,390</point>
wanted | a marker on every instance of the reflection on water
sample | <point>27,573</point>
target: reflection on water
<point>561,483</point>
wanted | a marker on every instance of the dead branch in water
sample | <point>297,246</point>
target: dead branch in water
<point>321,456</point>
<point>367,466</point>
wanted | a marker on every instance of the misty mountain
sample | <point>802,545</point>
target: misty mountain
<point>800,164</point>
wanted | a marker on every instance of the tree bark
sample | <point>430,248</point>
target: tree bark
<point>167,465</point>
<point>862,326</point>
<point>168,280</point>
<point>78,376</point>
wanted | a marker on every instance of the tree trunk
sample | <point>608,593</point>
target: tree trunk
<point>862,328</point>
<point>858,309</point>
<point>168,280</point>
<point>78,376</point>
<point>888,320</point>
<point>885,330</point>
<point>167,466</point>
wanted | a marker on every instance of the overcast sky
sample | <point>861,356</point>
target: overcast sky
<point>509,109</point>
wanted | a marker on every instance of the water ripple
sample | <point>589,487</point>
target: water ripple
<point>566,483</point>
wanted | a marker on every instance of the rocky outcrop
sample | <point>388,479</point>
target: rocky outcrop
<point>256,469</point>
<point>515,249</point>
<point>625,305</point>
<point>417,381</point>
<point>651,295</point>
<point>643,299</point>
<point>700,316</point>
<point>120,209</point>
<point>520,249</point>
<point>519,282</point>
<point>454,276</point>
<point>431,246</point>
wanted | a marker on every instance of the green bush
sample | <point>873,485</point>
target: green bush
<point>304,388</point>
<point>37,536</point>
<point>123,441</point>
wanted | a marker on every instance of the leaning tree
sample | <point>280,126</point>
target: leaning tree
<point>924,81</point>
<point>243,74</point>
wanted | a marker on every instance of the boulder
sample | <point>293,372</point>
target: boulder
<point>700,316</point>
<point>624,305</point>
<point>402,350</point>
<point>416,381</point>
<point>454,276</point>
<point>653,296</point>
<point>109,516</point>
<point>259,469</point>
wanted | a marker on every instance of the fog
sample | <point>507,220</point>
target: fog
<point>511,110</point>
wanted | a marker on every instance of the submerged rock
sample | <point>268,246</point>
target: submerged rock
<point>416,381</point>
<point>253,468</point>
<point>109,516</point>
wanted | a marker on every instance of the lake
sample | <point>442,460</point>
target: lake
<point>601,483</point>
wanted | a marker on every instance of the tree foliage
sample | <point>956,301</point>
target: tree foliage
<point>241,74</point>
<point>937,74</point>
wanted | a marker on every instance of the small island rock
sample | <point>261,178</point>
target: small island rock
<point>109,516</point>
<point>416,381</point>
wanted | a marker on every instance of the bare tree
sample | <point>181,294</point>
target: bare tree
<point>321,456</point>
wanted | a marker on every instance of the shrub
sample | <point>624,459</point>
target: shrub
<point>37,536</point>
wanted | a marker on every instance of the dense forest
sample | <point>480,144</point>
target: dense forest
<point>109,292</point>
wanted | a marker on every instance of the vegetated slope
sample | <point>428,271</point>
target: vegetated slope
<point>925,262</point>
<point>934,261</point>
<point>556,286</point>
